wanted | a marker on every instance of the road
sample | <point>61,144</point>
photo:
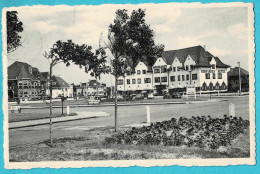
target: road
<point>126,115</point>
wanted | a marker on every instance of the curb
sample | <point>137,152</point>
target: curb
<point>39,122</point>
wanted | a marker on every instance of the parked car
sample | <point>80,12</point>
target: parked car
<point>139,96</point>
<point>167,96</point>
<point>150,96</point>
<point>177,95</point>
<point>93,100</point>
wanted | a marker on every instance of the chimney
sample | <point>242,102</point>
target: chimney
<point>204,46</point>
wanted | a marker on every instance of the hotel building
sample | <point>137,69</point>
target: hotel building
<point>175,70</point>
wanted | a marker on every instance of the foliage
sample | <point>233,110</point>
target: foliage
<point>14,27</point>
<point>131,39</point>
<point>203,132</point>
<point>82,55</point>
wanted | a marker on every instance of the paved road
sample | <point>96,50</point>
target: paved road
<point>126,115</point>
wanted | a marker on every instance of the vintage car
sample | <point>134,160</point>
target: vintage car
<point>93,100</point>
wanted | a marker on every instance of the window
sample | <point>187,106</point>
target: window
<point>144,71</point>
<point>172,78</point>
<point>120,82</point>
<point>213,66</point>
<point>53,83</point>
<point>191,67</point>
<point>156,71</point>
<point>219,75</point>
<point>178,68</point>
<point>147,80</point>
<point>174,69</point>
<point>207,75</point>
<point>163,79</point>
<point>183,77</point>
<point>157,79</point>
<point>133,81</point>
<point>128,81</point>
<point>187,77</point>
<point>179,78</point>
<point>163,69</point>
<point>194,76</point>
<point>66,89</point>
<point>138,72</point>
<point>139,81</point>
<point>187,67</point>
<point>214,76</point>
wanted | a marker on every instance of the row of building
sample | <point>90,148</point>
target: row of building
<point>174,71</point>
<point>170,73</point>
<point>27,82</point>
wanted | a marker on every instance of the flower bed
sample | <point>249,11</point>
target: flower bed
<point>203,132</point>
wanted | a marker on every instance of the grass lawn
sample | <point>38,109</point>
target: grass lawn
<point>91,146</point>
<point>16,117</point>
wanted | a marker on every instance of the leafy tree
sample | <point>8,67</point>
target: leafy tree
<point>82,55</point>
<point>14,27</point>
<point>130,39</point>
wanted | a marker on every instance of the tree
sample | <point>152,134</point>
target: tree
<point>14,27</point>
<point>82,55</point>
<point>130,39</point>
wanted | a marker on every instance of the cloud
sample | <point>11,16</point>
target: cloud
<point>188,41</point>
<point>238,31</point>
<point>220,52</point>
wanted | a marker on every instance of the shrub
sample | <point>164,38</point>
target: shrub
<point>203,132</point>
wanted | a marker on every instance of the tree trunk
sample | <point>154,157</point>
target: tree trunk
<point>116,103</point>
<point>50,127</point>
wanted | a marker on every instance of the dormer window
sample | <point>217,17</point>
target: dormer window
<point>213,66</point>
<point>138,72</point>
<point>30,70</point>
<point>187,67</point>
<point>144,72</point>
<point>191,67</point>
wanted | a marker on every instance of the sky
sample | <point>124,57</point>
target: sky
<point>222,30</point>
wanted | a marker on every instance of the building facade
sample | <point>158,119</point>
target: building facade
<point>175,70</point>
<point>233,80</point>
<point>61,88</point>
<point>25,82</point>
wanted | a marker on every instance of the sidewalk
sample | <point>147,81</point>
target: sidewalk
<point>125,104</point>
<point>80,115</point>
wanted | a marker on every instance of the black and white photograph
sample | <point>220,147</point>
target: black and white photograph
<point>125,85</point>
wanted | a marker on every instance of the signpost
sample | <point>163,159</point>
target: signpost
<point>191,90</point>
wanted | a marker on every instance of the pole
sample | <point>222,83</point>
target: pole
<point>62,99</point>
<point>50,127</point>
<point>190,77</point>
<point>239,78</point>
<point>148,115</point>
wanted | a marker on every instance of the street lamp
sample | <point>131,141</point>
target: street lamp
<point>239,78</point>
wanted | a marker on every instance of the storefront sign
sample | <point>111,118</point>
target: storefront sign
<point>208,71</point>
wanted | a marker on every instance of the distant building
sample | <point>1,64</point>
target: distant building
<point>25,82</point>
<point>174,71</point>
<point>61,88</point>
<point>80,90</point>
<point>233,80</point>
<point>96,88</point>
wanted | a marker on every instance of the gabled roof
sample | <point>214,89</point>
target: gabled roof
<point>94,83</point>
<point>20,70</point>
<point>235,72</point>
<point>59,82</point>
<point>197,53</point>
<point>45,75</point>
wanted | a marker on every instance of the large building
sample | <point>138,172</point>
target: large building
<point>25,82</point>
<point>233,80</point>
<point>175,70</point>
<point>61,88</point>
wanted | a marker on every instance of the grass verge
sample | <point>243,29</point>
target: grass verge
<point>91,146</point>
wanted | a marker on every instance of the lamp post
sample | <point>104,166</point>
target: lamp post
<point>239,78</point>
